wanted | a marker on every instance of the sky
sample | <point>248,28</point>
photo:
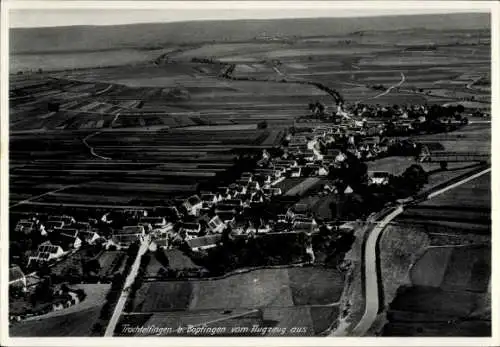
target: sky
<point>64,17</point>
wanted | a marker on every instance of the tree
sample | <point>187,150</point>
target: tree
<point>415,176</point>
<point>262,125</point>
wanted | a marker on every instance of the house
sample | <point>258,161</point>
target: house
<point>224,193</point>
<point>67,242</point>
<point>216,225</point>
<point>193,205</point>
<point>69,232</point>
<point>25,226</point>
<point>287,162</point>
<point>272,191</point>
<point>264,178</point>
<point>234,202</point>
<point>247,176</point>
<point>257,198</point>
<point>155,222</point>
<point>228,217</point>
<point>253,187</point>
<point>378,177</point>
<point>62,218</point>
<point>305,225</point>
<point>323,171</point>
<point>190,230</point>
<point>46,252</point>
<point>51,226</point>
<point>128,235</point>
<point>223,207</point>
<point>17,278</point>
<point>204,242</point>
<point>210,199</point>
<point>81,225</point>
<point>236,189</point>
<point>206,208</point>
<point>89,236</point>
<point>296,172</point>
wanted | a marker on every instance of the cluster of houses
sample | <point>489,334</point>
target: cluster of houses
<point>200,219</point>
<point>62,234</point>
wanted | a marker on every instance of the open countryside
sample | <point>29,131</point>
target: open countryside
<point>328,174</point>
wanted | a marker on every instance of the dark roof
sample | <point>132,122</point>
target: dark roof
<point>225,207</point>
<point>47,248</point>
<point>194,200</point>
<point>153,220</point>
<point>207,196</point>
<point>15,273</point>
<point>64,241</point>
<point>225,215</point>
<point>131,229</point>
<point>191,226</point>
<point>54,224</point>
<point>209,240</point>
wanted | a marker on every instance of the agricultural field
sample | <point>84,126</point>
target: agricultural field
<point>259,288</point>
<point>298,295</point>
<point>452,265</point>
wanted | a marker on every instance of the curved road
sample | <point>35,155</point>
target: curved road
<point>92,151</point>
<point>372,289</point>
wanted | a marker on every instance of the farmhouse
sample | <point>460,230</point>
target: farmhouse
<point>25,226</point>
<point>66,241</point>
<point>210,199</point>
<point>89,236</point>
<point>64,218</point>
<point>296,172</point>
<point>378,177</point>
<point>17,278</point>
<point>204,242</point>
<point>304,224</point>
<point>155,222</point>
<point>46,252</point>
<point>81,225</point>
<point>227,217</point>
<point>190,230</point>
<point>128,235</point>
<point>216,225</point>
<point>193,205</point>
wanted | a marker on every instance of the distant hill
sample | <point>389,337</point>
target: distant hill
<point>79,38</point>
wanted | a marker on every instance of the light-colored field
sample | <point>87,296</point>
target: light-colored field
<point>67,61</point>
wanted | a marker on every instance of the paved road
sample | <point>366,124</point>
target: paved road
<point>120,305</point>
<point>370,255</point>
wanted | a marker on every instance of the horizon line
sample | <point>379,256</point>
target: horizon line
<point>142,22</point>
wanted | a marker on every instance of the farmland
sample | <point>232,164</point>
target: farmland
<point>168,114</point>
<point>145,116</point>
<point>301,295</point>
<point>452,265</point>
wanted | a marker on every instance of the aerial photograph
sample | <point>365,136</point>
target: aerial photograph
<point>274,172</point>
